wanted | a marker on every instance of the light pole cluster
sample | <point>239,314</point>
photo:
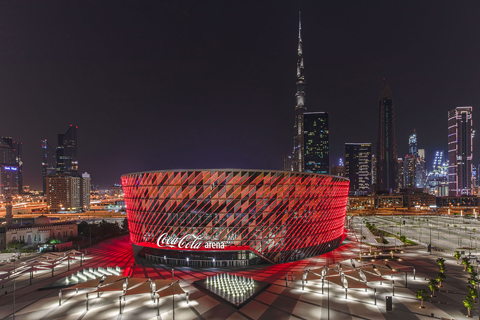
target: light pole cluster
<point>233,288</point>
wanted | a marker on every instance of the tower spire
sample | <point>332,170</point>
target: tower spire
<point>299,25</point>
<point>298,141</point>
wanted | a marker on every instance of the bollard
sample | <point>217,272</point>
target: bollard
<point>52,270</point>
<point>322,286</point>
<point>286,279</point>
<point>186,296</point>
<point>346,297</point>
<point>375,294</point>
<point>60,297</point>
<point>406,280</point>
<point>86,301</point>
<point>120,304</point>
<point>158,306</point>
<point>413,273</point>
<point>303,284</point>
<point>393,287</point>
<point>31,276</point>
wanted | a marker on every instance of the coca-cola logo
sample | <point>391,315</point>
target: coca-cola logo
<point>188,241</point>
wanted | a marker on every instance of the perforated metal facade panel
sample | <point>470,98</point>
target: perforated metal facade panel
<point>278,215</point>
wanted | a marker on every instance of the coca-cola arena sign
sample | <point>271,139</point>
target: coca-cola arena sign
<point>188,241</point>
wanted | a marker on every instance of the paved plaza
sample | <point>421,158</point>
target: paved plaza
<point>446,232</point>
<point>276,302</point>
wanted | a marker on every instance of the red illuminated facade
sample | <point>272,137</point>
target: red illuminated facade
<point>252,216</point>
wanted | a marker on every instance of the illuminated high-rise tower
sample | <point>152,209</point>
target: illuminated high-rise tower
<point>298,160</point>
<point>460,151</point>
<point>358,167</point>
<point>386,143</point>
<point>316,142</point>
<point>412,143</point>
<point>48,162</point>
<point>11,165</point>
<point>67,152</point>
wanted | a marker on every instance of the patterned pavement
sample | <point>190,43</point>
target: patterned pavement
<point>277,302</point>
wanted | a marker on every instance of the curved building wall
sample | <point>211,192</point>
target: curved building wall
<point>276,215</point>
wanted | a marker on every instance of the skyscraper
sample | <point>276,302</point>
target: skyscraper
<point>438,160</point>
<point>66,153</point>
<point>11,167</point>
<point>420,169</point>
<point>298,144</point>
<point>400,172</point>
<point>412,143</point>
<point>414,172</point>
<point>287,163</point>
<point>409,172</point>
<point>85,191</point>
<point>63,193</point>
<point>316,140</point>
<point>338,170</point>
<point>436,182</point>
<point>48,163</point>
<point>460,151</point>
<point>358,167</point>
<point>66,190</point>
<point>386,143</point>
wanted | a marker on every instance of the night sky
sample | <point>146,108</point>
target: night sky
<point>211,84</point>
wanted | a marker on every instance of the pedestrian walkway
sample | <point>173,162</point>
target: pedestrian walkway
<point>277,302</point>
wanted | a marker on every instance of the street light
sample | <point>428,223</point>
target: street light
<point>14,287</point>
<point>430,238</point>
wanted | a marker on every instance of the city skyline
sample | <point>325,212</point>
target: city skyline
<point>183,94</point>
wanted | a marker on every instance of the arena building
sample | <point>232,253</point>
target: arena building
<point>233,217</point>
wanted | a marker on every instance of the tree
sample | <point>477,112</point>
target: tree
<point>433,285</point>
<point>82,227</point>
<point>473,292</point>
<point>125,225</point>
<point>469,303</point>
<point>440,261</point>
<point>466,263</point>
<point>441,277</point>
<point>422,295</point>
<point>473,278</point>
<point>441,265</point>
<point>470,269</point>
<point>457,255</point>
<point>16,244</point>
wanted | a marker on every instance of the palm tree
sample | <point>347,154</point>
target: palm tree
<point>457,255</point>
<point>422,295</point>
<point>433,285</point>
<point>441,277</point>
<point>469,303</point>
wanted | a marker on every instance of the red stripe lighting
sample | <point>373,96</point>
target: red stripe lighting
<point>279,215</point>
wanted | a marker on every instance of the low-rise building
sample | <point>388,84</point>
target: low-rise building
<point>42,229</point>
